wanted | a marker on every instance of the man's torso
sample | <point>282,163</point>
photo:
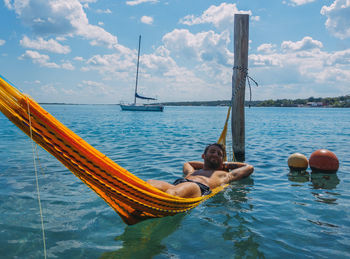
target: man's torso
<point>211,178</point>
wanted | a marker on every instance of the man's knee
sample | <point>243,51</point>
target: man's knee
<point>185,190</point>
<point>250,168</point>
<point>172,191</point>
<point>161,185</point>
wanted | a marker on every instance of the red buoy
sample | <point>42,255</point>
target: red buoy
<point>324,161</point>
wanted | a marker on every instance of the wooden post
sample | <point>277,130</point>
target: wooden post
<point>240,70</point>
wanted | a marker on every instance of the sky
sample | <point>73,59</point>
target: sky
<point>85,51</point>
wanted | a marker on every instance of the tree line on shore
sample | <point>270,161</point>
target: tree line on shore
<point>339,102</point>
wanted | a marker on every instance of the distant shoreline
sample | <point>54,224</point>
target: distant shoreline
<point>328,102</point>
<point>78,103</point>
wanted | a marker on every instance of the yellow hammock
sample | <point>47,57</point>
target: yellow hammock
<point>132,198</point>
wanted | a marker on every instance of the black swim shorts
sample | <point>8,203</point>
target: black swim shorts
<point>205,190</point>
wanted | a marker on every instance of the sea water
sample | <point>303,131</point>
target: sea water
<point>271,214</point>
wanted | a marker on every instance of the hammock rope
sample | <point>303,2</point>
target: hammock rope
<point>222,139</point>
<point>37,187</point>
<point>131,197</point>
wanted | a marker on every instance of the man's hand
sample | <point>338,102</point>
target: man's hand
<point>237,174</point>
<point>228,166</point>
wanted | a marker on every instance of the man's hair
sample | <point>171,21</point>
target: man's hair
<point>222,147</point>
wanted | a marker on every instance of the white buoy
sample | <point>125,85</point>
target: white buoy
<point>298,162</point>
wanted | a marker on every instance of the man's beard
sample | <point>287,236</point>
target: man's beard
<point>213,165</point>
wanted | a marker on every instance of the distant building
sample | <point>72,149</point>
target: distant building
<point>314,104</point>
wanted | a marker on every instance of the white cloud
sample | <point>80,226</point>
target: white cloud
<point>267,48</point>
<point>137,2</point>
<point>299,2</point>
<point>37,58</point>
<point>267,60</point>
<point>123,62</point>
<point>61,38</point>
<point>107,11</point>
<point>44,60</point>
<point>339,58</point>
<point>204,46</point>
<point>35,82</point>
<point>68,66</point>
<point>88,1</point>
<point>92,83</point>
<point>307,43</point>
<point>158,64</point>
<point>60,17</point>
<point>221,16</point>
<point>2,42</point>
<point>338,18</point>
<point>93,87</point>
<point>206,51</point>
<point>8,4</point>
<point>304,71</point>
<point>41,44</point>
<point>79,58</point>
<point>147,19</point>
<point>111,66</point>
<point>49,90</point>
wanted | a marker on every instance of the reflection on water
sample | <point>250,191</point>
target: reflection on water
<point>318,180</point>
<point>324,181</point>
<point>235,220</point>
<point>319,223</point>
<point>244,240</point>
<point>298,176</point>
<point>144,240</point>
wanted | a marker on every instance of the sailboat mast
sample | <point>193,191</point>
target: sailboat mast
<point>137,70</point>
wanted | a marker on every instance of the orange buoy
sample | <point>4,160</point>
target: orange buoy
<point>324,161</point>
<point>297,162</point>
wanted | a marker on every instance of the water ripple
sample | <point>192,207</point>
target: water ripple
<point>275,213</point>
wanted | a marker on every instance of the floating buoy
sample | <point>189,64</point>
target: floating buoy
<point>297,162</point>
<point>324,161</point>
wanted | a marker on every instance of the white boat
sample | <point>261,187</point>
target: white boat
<point>142,107</point>
<point>136,106</point>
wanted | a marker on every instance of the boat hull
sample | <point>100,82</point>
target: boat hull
<point>149,108</point>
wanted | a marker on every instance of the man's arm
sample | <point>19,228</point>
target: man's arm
<point>239,173</point>
<point>228,166</point>
<point>190,167</point>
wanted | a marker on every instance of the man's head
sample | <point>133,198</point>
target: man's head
<point>213,156</point>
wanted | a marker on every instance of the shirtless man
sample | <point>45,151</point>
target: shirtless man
<point>200,178</point>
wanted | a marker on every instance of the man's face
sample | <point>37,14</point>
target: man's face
<point>213,158</point>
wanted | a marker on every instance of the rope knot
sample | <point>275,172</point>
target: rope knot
<point>241,83</point>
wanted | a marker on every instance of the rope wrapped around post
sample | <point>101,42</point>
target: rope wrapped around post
<point>241,83</point>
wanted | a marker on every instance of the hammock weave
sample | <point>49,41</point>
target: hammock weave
<point>132,198</point>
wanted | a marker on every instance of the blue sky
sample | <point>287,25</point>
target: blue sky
<point>85,51</point>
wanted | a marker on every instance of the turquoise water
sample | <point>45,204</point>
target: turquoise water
<point>269,215</point>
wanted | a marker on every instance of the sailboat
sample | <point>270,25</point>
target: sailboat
<point>141,107</point>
